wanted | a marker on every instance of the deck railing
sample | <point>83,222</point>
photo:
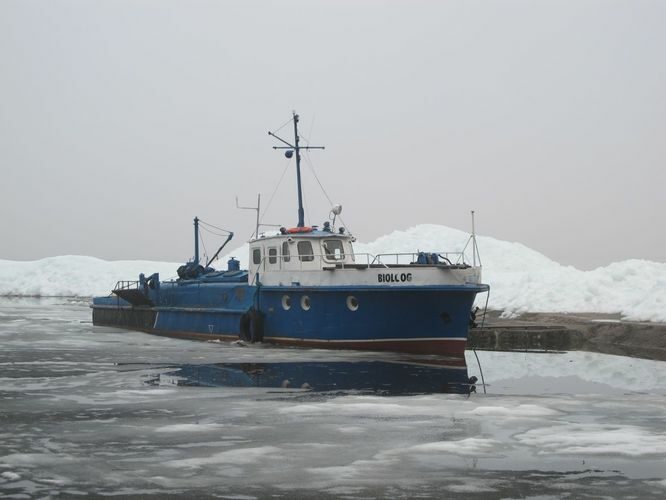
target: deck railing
<point>412,257</point>
<point>126,285</point>
<point>318,262</point>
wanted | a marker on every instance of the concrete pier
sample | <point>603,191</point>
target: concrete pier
<point>603,333</point>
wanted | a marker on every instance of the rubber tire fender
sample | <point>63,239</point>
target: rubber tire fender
<point>252,326</point>
<point>256,326</point>
<point>244,327</point>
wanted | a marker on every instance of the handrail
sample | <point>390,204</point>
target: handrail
<point>317,262</point>
<point>413,256</point>
<point>475,248</point>
<point>126,285</point>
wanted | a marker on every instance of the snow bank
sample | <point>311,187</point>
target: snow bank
<point>524,280</point>
<point>71,275</point>
<point>521,279</point>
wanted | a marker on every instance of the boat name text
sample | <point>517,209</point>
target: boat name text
<point>394,278</point>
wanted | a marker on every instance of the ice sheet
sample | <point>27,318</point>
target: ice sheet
<point>97,411</point>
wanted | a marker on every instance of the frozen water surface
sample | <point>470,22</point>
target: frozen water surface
<point>107,412</point>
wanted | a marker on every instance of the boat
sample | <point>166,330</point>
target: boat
<point>305,286</point>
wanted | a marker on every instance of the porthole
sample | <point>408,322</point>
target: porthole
<point>352,303</point>
<point>305,303</point>
<point>286,302</point>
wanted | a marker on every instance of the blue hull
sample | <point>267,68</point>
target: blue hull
<point>433,320</point>
<point>423,319</point>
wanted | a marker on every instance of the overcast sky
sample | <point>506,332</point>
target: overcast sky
<point>122,120</point>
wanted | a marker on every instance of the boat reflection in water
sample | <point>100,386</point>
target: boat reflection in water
<point>390,378</point>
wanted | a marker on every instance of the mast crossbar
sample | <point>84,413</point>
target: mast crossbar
<point>297,149</point>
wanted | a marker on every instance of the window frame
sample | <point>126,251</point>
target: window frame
<point>272,255</point>
<point>286,255</point>
<point>256,251</point>
<point>332,257</point>
<point>303,256</point>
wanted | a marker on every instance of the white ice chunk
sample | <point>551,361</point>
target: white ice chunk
<point>471,447</point>
<point>177,428</point>
<point>594,439</point>
<point>238,456</point>
<point>520,411</point>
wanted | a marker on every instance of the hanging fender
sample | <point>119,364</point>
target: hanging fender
<point>252,326</point>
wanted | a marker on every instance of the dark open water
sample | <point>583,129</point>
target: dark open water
<point>97,412</point>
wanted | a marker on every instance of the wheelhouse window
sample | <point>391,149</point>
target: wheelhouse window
<point>272,255</point>
<point>285,252</point>
<point>256,256</point>
<point>305,253</point>
<point>333,250</point>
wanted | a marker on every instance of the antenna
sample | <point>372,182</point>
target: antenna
<point>257,208</point>
<point>289,153</point>
<point>256,233</point>
<point>473,242</point>
<point>474,247</point>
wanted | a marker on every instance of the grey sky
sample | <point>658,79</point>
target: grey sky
<point>121,120</point>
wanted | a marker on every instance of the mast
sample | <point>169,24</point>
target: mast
<point>301,213</point>
<point>289,153</point>
<point>196,241</point>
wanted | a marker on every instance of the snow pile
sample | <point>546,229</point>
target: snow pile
<point>521,279</point>
<point>73,275</point>
<point>635,288</point>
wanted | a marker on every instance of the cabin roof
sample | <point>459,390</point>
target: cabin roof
<point>314,234</point>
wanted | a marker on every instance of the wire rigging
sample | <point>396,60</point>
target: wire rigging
<point>307,209</point>
<point>321,186</point>
<point>270,200</point>
<point>203,244</point>
<point>306,138</point>
<point>215,232</point>
<point>283,125</point>
<point>214,227</point>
